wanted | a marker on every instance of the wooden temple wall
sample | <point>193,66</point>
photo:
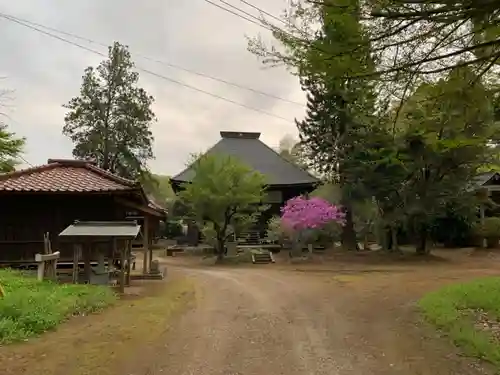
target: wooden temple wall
<point>24,218</point>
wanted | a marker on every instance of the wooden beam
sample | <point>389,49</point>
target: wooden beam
<point>142,208</point>
<point>46,257</point>
<point>44,261</point>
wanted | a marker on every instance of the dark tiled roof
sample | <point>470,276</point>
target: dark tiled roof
<point>155,206</point>
<point>249,149</point>
<point>484,178</point>
<point>65,176</point>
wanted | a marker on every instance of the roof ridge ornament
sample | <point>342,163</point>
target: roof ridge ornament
<point>240,135</point>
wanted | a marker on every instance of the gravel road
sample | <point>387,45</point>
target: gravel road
<point>269,322</point>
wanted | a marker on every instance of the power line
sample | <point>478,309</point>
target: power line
<point>171,65</point>
<point>26,161</point>
<point>268,26</point>
<point>258,23</point>
<point>263,11</point>
<point>247,14</point>
<point>10,18</point>
<point>253,19</point>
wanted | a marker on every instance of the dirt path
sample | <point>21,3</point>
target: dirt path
<point>259,320</point>
<point>254,321</point>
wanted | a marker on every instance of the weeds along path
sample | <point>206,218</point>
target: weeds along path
<point>105,343</point>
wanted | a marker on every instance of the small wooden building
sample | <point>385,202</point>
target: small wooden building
<point>49,198</point>
<point>285,179</point>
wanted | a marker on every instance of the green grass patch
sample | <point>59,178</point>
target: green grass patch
<point>453,310</point>
<point>30,307</point>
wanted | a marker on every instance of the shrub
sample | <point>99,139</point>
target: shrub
<point>311,220</point>
<point>275,230</point>
<point>209,234</point>
<point>453,225</point>
<point>489,229</point>
<point>328,234</point>
<point>30,307</point>
<point>173,229</point>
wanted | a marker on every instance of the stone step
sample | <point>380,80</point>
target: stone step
<point>263,258</point>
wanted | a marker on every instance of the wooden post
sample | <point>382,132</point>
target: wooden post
<point>100,262</point>
<point>145,243</point>
<point>42,259</point>
<point>150,238</point>
<point>123,252</point>
<point>87,253</point>
<point>484,243</point>
<point>113,252</point>
<point>111,256</point>
<point>41,270</point>
<point>48,268</point>
<point>76,259</point>
<point>129,261</point>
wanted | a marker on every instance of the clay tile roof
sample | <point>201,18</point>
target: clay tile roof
<point>155,206</point>
<point>58,175</point>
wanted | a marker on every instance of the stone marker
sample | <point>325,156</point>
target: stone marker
<point>155,267</point>
<point>232,248</point>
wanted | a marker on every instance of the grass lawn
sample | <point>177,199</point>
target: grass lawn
<point>30,307</point>
<point>124,339</point>
<point>469,314</point>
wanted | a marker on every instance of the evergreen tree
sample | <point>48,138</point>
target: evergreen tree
<point>10,149</point>
<point>110,120</point>
<point>338,108</point>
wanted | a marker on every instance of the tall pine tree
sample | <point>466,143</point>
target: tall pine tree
<point>110,120</point>
<point>338,108</point>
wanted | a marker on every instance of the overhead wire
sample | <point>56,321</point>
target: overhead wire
<point>258,22</point>
<point>169,64</point>
<point>263,11</point>
<point>269,26</point>
<point>150,72</point>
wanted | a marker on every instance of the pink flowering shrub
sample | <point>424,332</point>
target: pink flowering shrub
<point>301,214</point>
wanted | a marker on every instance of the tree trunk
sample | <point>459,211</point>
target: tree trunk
<point>348,236</point>
<point>422,244</point>
<point>394,240</point>
<point>387,238</point>
<point>220,250</point>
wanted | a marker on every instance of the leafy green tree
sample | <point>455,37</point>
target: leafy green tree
<point>445,129</point>
<point>11,148</point>
<point>110,120</point>
<point>224,194</point>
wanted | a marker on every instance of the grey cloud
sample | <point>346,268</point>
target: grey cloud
<point>45,73</point>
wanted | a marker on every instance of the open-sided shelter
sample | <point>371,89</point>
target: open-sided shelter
<point>285,179</point>
<point>116,236</point>
<point>49,198</point>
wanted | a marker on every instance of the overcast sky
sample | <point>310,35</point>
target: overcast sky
<point>45,72</point>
